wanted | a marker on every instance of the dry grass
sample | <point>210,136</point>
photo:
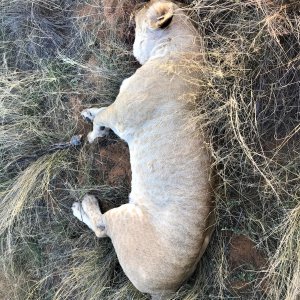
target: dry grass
<point>60,56</point>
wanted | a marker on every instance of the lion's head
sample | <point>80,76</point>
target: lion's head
<point>161,28</point>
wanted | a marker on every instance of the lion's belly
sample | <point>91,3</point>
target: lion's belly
<point>170,179</point>
<point>169,164</point>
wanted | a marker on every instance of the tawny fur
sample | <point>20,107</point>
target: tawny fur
<point>160,235</point>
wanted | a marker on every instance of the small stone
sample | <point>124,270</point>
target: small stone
<point>76,140</point>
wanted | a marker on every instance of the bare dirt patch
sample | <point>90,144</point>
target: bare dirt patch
<point>245,261</point>
<point>114,162</point>
<point>242,250</point>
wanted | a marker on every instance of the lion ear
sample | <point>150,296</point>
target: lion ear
<point>161,14</point>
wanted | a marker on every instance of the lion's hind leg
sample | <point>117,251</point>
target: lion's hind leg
<point>89,212</point>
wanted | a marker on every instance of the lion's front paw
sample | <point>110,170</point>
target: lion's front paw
<point>87,115</point>
<point>98,131</point>
<point>89,202</point>
<point>77,210</point>
<point>91,137</point>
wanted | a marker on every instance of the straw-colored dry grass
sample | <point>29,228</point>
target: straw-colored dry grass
<point>60,56</point>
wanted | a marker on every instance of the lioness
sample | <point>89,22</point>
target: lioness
<point>160,235</point>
